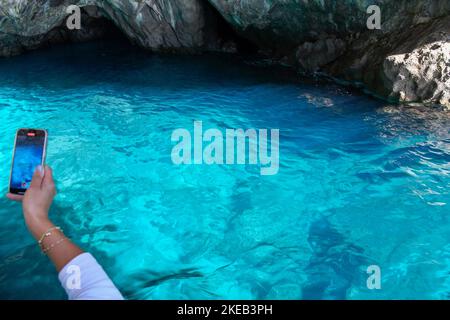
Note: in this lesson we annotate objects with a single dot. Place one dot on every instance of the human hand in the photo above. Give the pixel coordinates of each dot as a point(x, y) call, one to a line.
point(37, 199)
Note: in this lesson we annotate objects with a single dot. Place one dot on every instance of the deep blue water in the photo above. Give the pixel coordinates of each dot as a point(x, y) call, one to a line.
point(360, 182)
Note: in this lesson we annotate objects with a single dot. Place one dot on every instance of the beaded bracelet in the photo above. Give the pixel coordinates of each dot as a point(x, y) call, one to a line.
point(46, 234)
point(50, 247)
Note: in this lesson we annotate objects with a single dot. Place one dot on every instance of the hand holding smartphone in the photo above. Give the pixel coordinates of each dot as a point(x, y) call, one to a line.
point(29, 152)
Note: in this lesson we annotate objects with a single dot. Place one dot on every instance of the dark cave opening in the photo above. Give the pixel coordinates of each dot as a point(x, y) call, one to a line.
point(225, 33)
point(94, 27)
point(219, 35)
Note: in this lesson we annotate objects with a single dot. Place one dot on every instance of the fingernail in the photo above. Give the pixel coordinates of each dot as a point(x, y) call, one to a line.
point(40, 169)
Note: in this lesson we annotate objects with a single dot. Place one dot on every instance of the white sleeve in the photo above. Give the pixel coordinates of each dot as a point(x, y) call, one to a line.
point(84, 279)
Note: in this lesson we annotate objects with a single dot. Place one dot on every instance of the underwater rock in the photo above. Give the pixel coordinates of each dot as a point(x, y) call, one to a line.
point(335, 265)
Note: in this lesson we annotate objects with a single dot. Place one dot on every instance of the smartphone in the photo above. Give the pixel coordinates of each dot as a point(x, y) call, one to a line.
point(29, 152)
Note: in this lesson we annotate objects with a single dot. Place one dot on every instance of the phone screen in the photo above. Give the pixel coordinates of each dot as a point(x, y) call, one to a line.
point(28, 154)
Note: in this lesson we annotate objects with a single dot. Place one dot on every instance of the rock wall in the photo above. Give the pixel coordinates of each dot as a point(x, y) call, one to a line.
point(408, 66)
point(406, 60)
point(153, 24)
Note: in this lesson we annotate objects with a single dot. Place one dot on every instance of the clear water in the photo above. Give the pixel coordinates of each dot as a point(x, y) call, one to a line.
point(360, 182)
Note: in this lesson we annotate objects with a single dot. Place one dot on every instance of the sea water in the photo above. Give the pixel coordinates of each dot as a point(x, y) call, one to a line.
point(360, 182)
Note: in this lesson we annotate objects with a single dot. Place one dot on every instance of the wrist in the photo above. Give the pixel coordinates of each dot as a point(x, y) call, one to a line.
point(38, 225)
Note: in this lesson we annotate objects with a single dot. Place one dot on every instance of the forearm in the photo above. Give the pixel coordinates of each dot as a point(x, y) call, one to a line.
point(63, 250)
point(89, 280)
point(93, 281)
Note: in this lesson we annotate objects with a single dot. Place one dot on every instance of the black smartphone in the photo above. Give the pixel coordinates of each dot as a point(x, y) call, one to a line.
point(29, 152)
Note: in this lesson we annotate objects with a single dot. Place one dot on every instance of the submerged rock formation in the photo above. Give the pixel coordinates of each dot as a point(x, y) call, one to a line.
point(408, 59)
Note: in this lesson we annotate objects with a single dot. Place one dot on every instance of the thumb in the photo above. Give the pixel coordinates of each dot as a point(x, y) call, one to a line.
point(38, 176)
point(48, 183)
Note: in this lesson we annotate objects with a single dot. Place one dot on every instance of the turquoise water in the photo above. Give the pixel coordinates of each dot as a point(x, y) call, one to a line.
point(360, 182)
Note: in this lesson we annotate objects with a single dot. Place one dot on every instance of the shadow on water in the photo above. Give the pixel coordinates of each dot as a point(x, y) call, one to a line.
point(113, 62)
point(335, 265)
point(144, 280)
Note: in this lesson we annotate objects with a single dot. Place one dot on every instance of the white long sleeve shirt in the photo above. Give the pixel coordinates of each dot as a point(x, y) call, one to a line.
point(84, 279)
